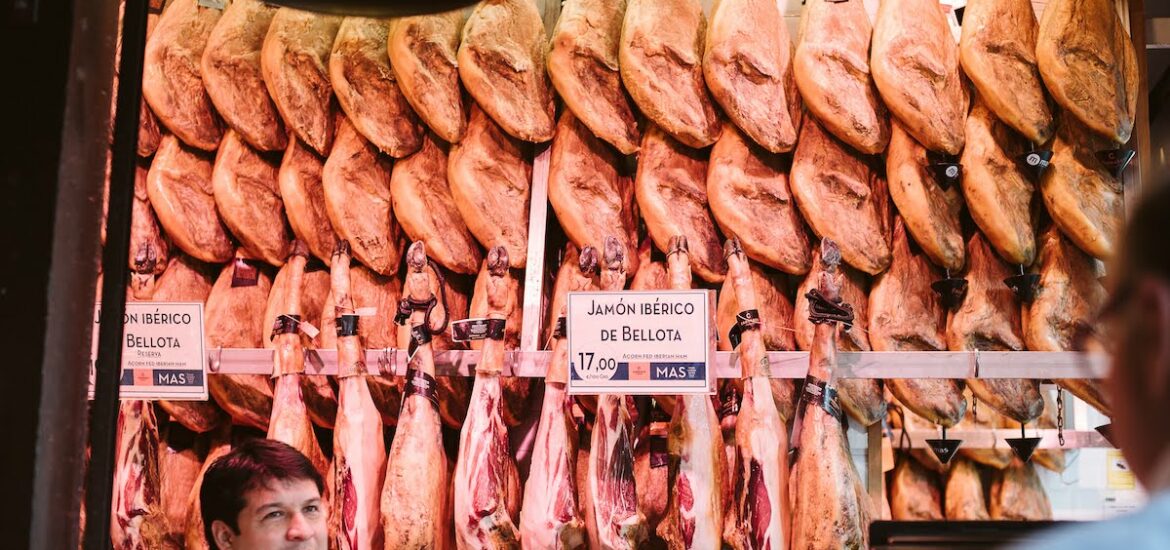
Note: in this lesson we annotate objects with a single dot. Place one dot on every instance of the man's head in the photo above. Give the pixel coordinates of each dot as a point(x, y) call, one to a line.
point(264, 494)
point(1139, 323)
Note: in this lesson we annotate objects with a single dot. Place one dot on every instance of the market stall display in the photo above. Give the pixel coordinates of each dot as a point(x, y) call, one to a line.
point(679, 156)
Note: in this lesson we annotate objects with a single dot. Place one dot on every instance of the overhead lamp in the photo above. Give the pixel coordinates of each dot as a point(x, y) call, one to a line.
point(376, 8)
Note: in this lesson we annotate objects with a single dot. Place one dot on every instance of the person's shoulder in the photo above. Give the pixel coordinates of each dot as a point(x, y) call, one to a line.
point(1146, 529)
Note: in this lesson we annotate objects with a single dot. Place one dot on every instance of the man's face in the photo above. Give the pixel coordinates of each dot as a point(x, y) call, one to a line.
point(285, 515)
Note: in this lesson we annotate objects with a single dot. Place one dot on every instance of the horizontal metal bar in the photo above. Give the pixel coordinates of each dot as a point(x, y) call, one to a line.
point(997, 438)
point(785, 364)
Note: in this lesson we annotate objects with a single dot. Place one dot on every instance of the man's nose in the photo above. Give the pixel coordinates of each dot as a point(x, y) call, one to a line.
point(300, 528)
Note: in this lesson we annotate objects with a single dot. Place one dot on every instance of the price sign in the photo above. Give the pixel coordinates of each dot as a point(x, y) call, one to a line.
point(640, 342)
point(163, 355)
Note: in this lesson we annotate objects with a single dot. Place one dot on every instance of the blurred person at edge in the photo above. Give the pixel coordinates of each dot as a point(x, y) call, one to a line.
point(263, 495)
point(1135, 326)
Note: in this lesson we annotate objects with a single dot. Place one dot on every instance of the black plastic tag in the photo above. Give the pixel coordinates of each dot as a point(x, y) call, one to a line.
point(478, 329)
point(951, 290)
point(1024, 285)
point(944, 449)
point(821, 393)
point(816, 392)
point(419, 335)
point(946, 170)
point(347, 325)
point(1023, 446)
point(658, 455)
point(421, 383)
point(1035, 162)
point(560, 330)
point(285, 324)
point(744, 320)
point(244, 273)
point(1116, 160)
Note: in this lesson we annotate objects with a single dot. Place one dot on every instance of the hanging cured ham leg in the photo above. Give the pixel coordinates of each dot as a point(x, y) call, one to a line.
point(487, 485)
point(761, 444)
point(1069, 298)
point(290, 418)
point(416, 512)
point(831, 510)
point(551, 515)
point(613, 518)
point(906, 315)
point(695, 452)
point(234, 316)
point(989, 320)
point(694, 515)
point(359, 458)
point(137, 519)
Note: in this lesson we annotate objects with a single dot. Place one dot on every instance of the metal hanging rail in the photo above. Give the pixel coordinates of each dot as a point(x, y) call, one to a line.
point(785, 364)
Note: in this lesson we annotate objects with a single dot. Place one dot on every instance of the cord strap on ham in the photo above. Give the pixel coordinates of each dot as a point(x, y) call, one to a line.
point(823, 310)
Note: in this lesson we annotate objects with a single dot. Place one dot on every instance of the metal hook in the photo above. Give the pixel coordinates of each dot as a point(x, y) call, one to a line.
point(214, 365)
point(383, 363)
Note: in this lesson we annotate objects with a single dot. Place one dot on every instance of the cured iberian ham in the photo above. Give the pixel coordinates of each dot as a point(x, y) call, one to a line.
point(416, 510)
point(551, 514)
point(487, 484)
point(612, 516)
point(761, 498)
point(831, 509)
point(694, 446)
point(359, 458)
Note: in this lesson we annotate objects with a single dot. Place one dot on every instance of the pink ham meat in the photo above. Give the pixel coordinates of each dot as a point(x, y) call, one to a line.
point(551, 515)
point(290, 418)
point(359, 451)
point(416, 510)
point(612, 516)
point(694, 445)
point(831, 509)
point(761, 502)
point(137, 520)
point(487, 484)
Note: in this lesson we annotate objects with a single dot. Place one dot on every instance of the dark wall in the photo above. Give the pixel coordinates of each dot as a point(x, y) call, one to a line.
point(34, 34)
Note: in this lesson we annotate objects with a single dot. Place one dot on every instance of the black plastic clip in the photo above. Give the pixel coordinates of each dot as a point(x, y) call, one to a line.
point(1023, 446)
point(1116, 160)
point(951, 290)
point(1024, 285)
point(1035, 162)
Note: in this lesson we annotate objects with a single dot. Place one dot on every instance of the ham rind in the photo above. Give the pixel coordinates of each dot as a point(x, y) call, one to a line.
point(694, 515)
point(416, 511)
point(761, 501)
point(137, 519)
point(831, 509)
point(359, 450)
point(487, 484)
point(290, 422)
point(551, 515)
point(613, 518)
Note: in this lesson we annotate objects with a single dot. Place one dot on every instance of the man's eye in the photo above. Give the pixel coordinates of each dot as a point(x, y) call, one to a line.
point(312, 509)
point(273, 515)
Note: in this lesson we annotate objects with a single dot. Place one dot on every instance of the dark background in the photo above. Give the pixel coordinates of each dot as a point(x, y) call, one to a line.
point(34, 39)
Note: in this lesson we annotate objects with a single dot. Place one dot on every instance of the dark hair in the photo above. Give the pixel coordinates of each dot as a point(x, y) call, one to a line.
point(1144, 249)
point(254, 464)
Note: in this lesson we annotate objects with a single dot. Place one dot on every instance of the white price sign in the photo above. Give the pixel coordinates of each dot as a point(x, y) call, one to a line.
point(648, 343)
point(163, 355)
